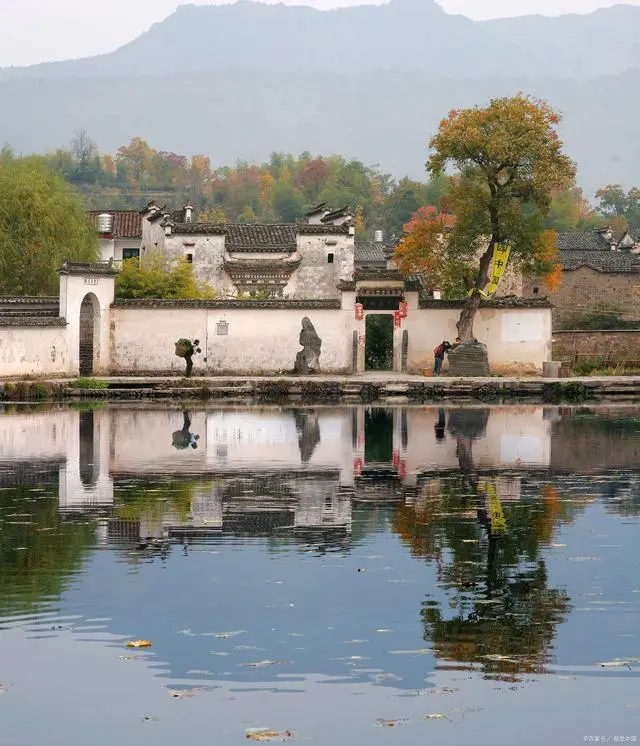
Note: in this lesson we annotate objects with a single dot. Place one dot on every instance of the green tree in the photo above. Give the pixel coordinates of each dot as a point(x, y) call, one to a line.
point(154, 276)
point(288, 202)
point(42, 223)
point(509, 161)
point(616, 203)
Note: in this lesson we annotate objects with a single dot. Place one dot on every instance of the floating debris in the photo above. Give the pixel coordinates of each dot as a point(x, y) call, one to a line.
point(265, 663)
point(224, 635)
point(139, 644)
point(390, 723)
point(4, 688)
point(265, 734)
point(616, 664)
point(437, 716)
point(149, 719)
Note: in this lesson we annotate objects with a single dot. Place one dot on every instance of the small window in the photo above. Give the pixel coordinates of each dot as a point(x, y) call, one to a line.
point(190, 258)
point(130, 254)
point(536, 291)
point(329, 258)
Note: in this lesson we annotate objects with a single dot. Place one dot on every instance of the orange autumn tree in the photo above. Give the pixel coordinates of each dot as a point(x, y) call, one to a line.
point(509, 161)
point(423, 252)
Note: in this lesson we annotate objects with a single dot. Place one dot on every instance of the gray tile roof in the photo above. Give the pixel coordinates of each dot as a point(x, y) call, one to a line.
point(590, 241)
point(601, 261)
point(369, 252)
point(593, 250)
point(259, 237)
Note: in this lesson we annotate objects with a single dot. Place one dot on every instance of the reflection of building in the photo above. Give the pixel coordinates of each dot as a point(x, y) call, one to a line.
point(254, 470)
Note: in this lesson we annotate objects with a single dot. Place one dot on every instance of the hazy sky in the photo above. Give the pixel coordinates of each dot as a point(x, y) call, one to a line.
point(41, 30)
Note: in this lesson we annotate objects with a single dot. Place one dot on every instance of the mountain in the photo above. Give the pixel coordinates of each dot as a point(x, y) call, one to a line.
point(370, 82)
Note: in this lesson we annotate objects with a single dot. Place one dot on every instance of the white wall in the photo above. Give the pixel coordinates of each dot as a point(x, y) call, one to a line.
point(35, 350)
point(258, 340)
point(517, 339)
point(73, 289)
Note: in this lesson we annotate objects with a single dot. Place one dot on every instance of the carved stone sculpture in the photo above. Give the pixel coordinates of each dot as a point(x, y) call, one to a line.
point(308, 359)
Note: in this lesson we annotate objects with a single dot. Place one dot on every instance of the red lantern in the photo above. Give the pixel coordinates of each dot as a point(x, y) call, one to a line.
point(397, 319)
point(359, 311)
point(403, 309)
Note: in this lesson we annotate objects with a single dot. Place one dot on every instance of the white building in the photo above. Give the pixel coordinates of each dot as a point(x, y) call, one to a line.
point(119, 233)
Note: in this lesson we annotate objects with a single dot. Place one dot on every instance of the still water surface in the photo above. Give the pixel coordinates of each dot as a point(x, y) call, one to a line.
point(336, 575)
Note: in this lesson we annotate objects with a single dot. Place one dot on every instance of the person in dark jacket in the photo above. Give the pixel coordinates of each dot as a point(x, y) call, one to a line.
point(439, 353)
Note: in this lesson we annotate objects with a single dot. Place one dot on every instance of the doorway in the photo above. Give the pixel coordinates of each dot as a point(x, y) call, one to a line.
point(378, 351)
point(88, 323)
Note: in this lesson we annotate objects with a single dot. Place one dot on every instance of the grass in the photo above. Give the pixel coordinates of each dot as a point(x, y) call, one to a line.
point(89, 383)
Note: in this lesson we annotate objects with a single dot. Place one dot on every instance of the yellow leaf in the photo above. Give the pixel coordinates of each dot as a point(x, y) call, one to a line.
point(139, 644)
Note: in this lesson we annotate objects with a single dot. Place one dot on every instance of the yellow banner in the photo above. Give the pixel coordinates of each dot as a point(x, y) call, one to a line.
point(501, 254)
point(496, 516)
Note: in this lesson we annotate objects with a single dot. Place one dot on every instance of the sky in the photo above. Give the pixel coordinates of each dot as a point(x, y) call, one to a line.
point(34, 31)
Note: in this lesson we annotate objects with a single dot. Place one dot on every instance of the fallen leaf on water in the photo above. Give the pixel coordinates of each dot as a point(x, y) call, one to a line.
point(139, 644)
point(265, 734)
point(437, 716)
point(149, 719)
point(390, 723)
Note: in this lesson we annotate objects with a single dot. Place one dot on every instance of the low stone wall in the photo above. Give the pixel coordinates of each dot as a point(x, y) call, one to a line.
point(610, 344)
point(34, 346)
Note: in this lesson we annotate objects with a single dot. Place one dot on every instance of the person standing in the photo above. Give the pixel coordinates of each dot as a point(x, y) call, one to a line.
point(439, 353)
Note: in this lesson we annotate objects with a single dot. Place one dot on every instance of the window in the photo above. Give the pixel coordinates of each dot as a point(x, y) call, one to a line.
point(536, 291)
point(329, 258)
point(130, 254)
point(190, 258)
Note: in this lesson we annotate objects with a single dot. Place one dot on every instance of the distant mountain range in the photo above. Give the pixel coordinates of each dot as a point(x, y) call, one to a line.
point(370, 82)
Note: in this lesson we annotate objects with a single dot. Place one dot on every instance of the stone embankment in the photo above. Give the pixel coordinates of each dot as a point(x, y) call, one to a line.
point(369, 388)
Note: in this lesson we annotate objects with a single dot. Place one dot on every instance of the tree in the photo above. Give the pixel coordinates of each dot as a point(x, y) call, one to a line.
point(509, 162)
point(622, 209)
point(154, 276)
point(42, 223)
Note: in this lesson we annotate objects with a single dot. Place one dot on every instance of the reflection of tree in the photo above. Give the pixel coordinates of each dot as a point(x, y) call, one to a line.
point(38, 551)
point(308, 431)
point(152, 498)
point(503, 614)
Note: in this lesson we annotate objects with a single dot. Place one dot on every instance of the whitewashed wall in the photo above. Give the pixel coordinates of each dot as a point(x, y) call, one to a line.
point(517, 339)
point(257, 340)
point(35, 351)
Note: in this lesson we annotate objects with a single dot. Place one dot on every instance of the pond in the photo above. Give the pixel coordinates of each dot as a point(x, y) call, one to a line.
point(335, 575)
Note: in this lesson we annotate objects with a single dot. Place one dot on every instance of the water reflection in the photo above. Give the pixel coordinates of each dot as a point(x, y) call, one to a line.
point(365, 532)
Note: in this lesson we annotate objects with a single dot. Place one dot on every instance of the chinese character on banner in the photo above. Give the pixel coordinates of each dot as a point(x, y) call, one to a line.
point(357, 467)
point(403, 309)
point(397, 319)
point(359, 311)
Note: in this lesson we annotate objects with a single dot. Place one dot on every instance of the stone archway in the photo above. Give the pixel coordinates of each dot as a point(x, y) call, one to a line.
point(89, 333)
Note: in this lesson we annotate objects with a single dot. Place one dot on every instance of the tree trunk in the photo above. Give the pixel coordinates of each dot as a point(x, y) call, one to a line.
point(468, 313)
